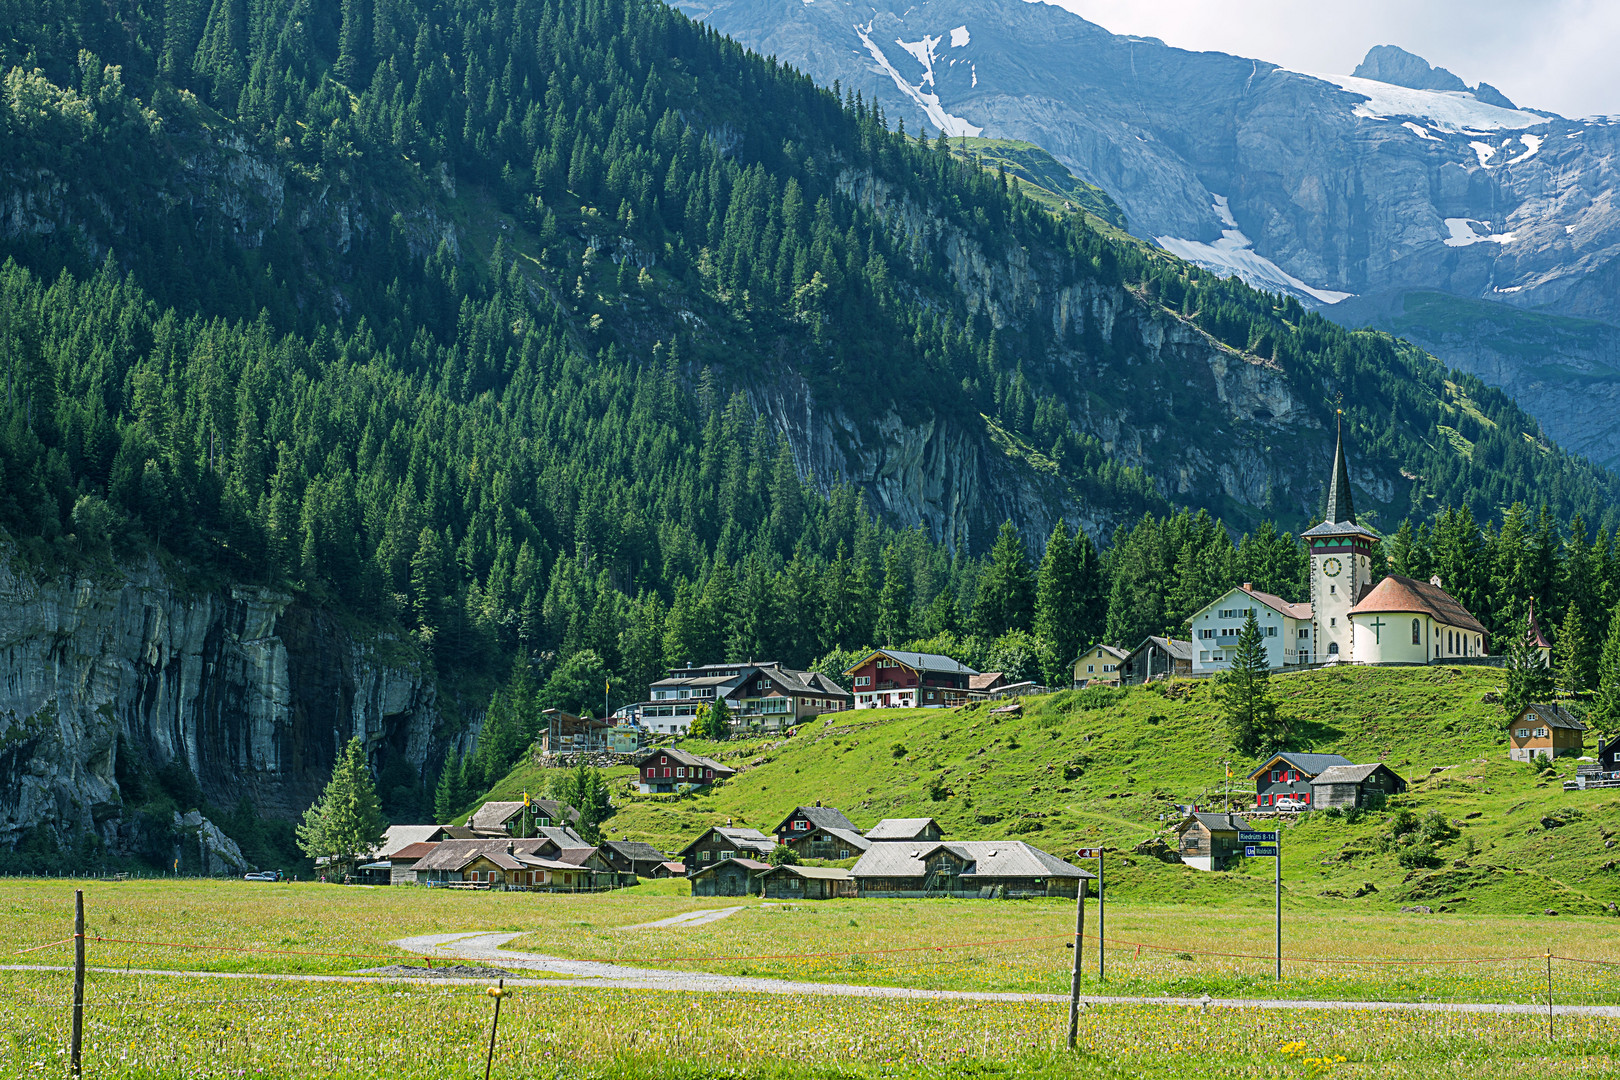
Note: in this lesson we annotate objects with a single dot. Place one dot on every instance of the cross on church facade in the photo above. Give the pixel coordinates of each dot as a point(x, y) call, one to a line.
point(1378, 624)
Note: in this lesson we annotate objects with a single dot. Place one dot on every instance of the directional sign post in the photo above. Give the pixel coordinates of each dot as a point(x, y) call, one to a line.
point(1074, 975)
point(1266, 845)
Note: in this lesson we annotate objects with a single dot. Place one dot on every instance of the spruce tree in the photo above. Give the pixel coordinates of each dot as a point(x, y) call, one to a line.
point(1577, 661)
point(894, 602)
point(346, 822)
point(1244, 693)
point(1528, 680)
point(446, 794)
point(1006, 597)
point(1605, 710)
point(1058, 603)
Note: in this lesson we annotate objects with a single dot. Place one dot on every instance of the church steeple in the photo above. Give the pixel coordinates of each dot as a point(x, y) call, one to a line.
point(1340, 508)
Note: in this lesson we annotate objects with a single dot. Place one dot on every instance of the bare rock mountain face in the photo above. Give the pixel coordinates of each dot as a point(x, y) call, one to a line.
point(248, 690)
point(1336, 188)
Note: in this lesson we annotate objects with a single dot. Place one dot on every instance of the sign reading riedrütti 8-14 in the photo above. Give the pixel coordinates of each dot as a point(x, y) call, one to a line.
point(1257, 837)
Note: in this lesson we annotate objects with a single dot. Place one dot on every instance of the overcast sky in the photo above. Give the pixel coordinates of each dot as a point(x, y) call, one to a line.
point(1551, 54)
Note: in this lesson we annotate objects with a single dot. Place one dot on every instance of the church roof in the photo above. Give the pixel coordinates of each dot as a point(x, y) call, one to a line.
point(1535, 638)
point(1340, 508)
point(1403, 595)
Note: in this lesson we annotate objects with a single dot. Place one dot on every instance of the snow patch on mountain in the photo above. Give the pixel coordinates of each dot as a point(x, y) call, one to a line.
point(923, 52)
point(1447, 110)
point(1233, 255)
point(1463, 233)
point(959, 37)
point(1533, 146)
point(1420, 131)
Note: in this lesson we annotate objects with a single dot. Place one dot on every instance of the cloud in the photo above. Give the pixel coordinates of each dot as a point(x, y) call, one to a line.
point(1549, 54)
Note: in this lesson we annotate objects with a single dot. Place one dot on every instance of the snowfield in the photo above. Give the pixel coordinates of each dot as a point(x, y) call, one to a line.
point(1233, 255)
point(1448, 110)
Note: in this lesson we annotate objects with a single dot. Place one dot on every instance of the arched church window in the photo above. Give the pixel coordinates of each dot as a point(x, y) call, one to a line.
point(1333, 648)
point(1417, 632)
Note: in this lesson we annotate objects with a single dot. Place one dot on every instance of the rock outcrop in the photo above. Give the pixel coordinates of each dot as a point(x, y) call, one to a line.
point(251, 691)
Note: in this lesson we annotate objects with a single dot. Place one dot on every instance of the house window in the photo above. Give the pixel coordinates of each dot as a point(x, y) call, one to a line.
point(1333, 588)
point(1271, 631)
point(1524, 733)
point(728, 854)
point(1417, 632)
point(1541, 733)
point(863, 680)
point(1333, 621)
point(1304, 632)
point(800, 826)
point(1203, 657)
point(843, 853)
point(1265, 800)
point(1333, 648)
point(680, 771)
point(1276, 775)
point(1091, 669)
point(666, 774)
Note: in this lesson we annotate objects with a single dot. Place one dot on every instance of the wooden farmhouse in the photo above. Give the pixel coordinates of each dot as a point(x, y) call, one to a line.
point(1545, 729)
point(1210, 841)
point(537, 863)
point(510, 817)
point(666, 770)
point(905, 829)
point(1098, 666)
point(1348, 787)
point(1000, 868)
point(820, 832)
point(894, 679)
point(725, 842)
point(728, 877)
point(1289, 775)
point(631, 857)
point(402, 863)
point(1156, 658)
point(806, 883)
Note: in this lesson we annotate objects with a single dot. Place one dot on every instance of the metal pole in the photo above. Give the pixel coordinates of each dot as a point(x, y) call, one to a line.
point(1278, 861)
point(1100, 976)
point(1074, 977)
point(75, 1062)
point(498, 991)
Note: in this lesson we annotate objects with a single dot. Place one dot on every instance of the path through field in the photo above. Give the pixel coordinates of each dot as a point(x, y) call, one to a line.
point(690, 918)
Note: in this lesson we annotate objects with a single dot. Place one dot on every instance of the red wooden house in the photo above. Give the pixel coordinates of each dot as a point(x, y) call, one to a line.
point(893, 679)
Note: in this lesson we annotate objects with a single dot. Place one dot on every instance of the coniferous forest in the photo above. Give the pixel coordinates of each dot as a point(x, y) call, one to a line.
point(457, 317)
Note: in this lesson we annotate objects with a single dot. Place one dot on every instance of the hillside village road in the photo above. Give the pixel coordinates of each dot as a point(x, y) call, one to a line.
point(702, 983)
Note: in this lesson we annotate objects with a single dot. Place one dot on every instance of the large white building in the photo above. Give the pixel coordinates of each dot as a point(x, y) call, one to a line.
point(1285, 627)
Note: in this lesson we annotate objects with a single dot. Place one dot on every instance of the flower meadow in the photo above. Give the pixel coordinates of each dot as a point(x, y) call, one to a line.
point(152, 1027)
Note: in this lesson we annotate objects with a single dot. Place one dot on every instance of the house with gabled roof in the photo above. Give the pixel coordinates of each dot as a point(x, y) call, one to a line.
point(728, 877)
point(508, 817)
point(1210, 841)
point(560, 861)
point(1156, 658)
point(897, 679)
point(1547, 729)
point(1351, 787)
point(912, 829)
point(1098, 665)
point(1285, 629)
point(721, 842)
point(820, 832)
point(965, 868)
point(632, 857)
point(665, 769)
point(789, 882)
point(1289, 775)
point(759, 693)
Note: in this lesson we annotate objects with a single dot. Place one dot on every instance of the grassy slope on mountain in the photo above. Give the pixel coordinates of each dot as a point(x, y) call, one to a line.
point(1043, 178)
point(1064, 774)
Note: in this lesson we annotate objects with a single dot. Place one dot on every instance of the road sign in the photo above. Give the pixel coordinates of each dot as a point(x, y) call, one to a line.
point(1089, 853)
point(1257, 838)
point(1252, 850)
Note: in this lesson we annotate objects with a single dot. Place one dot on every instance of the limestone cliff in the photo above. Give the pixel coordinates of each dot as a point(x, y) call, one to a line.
point(251, 690)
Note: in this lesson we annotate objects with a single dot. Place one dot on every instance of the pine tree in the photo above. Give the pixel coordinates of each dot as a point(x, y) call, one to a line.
point(894, 602)
point(1605, 709)
point(1244, 693)
point(1577, 660)
point(1006, 597)
point(346, 822)
point(446, 794)
point(1528, 680)
point(1058, 604)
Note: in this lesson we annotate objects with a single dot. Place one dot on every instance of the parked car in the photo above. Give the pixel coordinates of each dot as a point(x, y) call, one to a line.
point(1289, 802)
point(263, 875)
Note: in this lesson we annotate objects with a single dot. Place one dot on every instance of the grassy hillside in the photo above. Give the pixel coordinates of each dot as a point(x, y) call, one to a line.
point(1043, 178)
point(1088, 766)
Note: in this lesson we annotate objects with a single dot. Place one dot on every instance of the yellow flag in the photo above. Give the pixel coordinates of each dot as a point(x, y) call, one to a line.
point(525, 798)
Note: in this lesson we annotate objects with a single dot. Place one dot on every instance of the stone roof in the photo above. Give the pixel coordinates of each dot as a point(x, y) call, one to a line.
point(495, 815)
point(983, 859)
point(681, 757)
point(410, 852)
point(396, 837)
point(1278, 604)
point(903, 828)
point(1178, 650)
point(1346, 774)
point(986, 680)
point(1397, 595)
point(753, 866)
point(828, 873)
point(638, 850)
point(743, 839)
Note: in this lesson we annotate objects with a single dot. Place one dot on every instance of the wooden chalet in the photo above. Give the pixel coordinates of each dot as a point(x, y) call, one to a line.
point(665, 769)
point(402, 863)
point(895, 679)
point(510, 818)
point(1210, 841)
point(725, 842)
point(910, 829)
point(1354, 786)
point(728, 877)
point(965, 868)
point(1156, 658)
point(631, 857)
point(1548, 730)
point(806, 883)
point(1289, 775)
point(820, 832)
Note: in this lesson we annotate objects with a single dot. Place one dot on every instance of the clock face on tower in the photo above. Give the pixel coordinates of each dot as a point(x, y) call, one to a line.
point(1332, 567)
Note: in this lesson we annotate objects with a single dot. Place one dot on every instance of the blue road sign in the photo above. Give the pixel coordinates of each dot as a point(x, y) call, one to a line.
point(1257, 837)
point(1257, 849)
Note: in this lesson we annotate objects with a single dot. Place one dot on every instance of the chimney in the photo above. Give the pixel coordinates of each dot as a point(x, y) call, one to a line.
point(1248, 586)
point(818, 802)
point(1435, 581)
point(510, 847)
point(728, 823)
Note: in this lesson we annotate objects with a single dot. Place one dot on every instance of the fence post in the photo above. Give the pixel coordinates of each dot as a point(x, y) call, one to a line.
point(1074, 976)
point(497, 992)
point(74, 1047)
point(1549, 997)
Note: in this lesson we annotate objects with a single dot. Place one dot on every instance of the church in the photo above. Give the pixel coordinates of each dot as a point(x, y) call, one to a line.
point(1398, 620)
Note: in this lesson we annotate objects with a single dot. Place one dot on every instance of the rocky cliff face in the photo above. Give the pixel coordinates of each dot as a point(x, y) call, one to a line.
point(252, 691)
point(1321, 186)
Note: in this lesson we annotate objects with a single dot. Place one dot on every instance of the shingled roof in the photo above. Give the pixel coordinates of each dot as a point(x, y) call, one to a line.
point(1399, 595)
point(1309, 764)
point(1554, 716)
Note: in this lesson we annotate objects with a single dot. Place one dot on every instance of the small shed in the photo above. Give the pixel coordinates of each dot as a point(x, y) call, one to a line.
point(1351, 786)
point(631, 857)
point(806, 883)
point(669, 870)
point(906, 828)
point(728, 877)
point(1210, 841)
point(1545, 729)
point(1156, 658)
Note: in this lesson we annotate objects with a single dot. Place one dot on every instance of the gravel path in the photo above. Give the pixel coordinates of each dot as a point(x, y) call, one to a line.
point(704, 983)
point(690, 918)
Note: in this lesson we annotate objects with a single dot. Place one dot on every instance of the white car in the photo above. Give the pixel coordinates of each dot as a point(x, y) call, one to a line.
point(1290, 802)
point(267, 875)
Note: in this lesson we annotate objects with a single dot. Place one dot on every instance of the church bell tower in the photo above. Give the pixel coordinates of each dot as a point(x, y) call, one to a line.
point(1341, 566)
